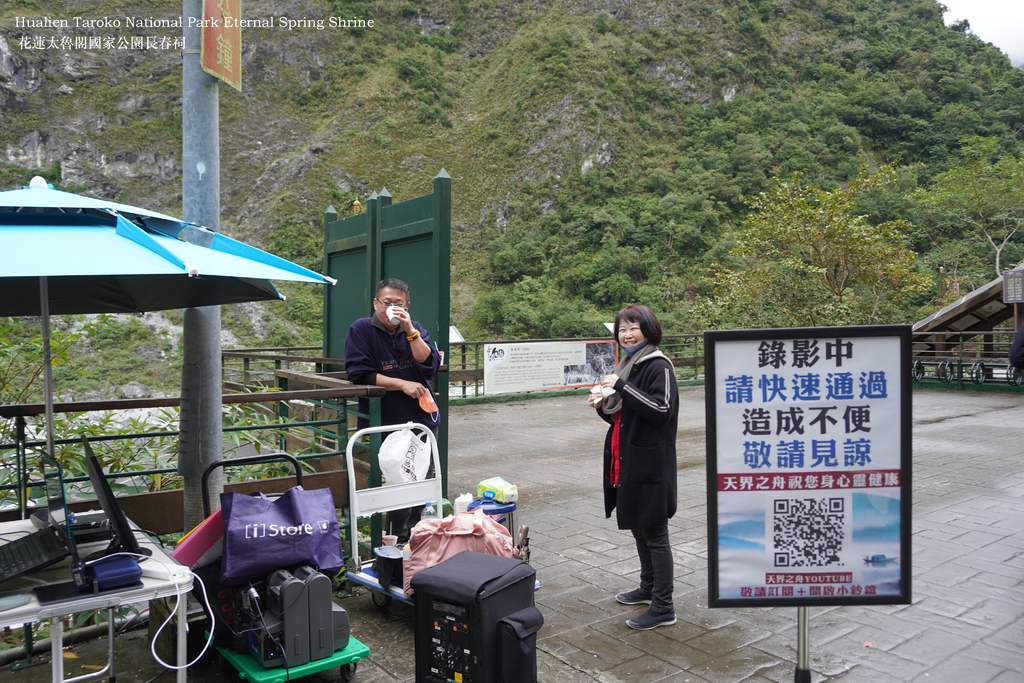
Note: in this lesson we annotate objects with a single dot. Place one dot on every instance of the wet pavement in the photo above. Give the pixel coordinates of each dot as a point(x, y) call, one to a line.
point(966, 622)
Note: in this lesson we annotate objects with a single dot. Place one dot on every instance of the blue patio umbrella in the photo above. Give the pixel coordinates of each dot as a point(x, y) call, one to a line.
point(65, 253)
point(105, 257)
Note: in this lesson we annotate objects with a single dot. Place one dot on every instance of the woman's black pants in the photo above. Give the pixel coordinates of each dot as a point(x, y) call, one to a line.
point(656, 570)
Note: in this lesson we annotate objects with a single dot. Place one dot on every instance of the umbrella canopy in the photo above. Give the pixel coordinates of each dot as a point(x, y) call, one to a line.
point(65, 253)
point(105, 257)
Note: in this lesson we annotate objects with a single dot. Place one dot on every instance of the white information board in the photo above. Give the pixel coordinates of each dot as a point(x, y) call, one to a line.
point(542, 366)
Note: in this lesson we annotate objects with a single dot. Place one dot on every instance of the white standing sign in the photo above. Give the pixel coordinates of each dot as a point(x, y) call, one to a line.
point(809, 466)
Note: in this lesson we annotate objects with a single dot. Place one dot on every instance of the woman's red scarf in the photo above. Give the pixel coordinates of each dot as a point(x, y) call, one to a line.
point(613, 473)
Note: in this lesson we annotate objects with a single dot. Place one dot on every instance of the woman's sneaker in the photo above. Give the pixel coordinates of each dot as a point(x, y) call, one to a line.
point(634, 597)
point(649, 620)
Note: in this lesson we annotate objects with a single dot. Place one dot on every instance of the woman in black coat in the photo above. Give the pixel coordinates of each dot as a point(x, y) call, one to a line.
point(641, 403)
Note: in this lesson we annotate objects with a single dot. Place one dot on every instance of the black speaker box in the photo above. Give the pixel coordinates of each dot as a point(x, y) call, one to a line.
point(459, 607)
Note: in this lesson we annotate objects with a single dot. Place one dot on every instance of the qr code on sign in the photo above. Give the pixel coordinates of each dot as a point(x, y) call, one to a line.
point(808, 531)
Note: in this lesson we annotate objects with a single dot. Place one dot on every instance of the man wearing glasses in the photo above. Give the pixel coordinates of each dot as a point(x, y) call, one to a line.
point(393, 351)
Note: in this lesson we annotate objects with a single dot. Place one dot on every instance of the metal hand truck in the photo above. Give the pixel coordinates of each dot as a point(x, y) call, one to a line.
point(371, 501)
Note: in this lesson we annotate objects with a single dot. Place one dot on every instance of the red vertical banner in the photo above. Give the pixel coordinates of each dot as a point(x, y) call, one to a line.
point(222, 40)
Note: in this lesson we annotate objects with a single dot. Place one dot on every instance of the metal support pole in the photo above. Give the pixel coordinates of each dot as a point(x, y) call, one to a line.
point(283, 414)
point(182, 639)
point(21, 464)
point(376, 521)
point(442, 248)
point(56, 647)
point(960, 365)
point(26, 634)
point(803, 637)
point(44, 312)
point(696, 352)
point(201, 442)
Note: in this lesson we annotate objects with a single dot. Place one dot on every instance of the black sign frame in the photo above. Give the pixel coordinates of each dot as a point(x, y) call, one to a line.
point(713, 386)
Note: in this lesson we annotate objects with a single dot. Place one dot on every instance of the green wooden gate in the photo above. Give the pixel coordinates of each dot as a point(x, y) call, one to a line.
point(411, 241)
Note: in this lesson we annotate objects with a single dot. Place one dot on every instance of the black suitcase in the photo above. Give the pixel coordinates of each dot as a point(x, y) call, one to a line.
point(475, 620)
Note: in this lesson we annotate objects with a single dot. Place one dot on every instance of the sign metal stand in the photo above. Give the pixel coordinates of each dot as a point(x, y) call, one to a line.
point(803, 644)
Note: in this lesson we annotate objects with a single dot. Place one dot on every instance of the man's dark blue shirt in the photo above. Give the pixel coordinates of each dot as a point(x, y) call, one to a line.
point(371, 349)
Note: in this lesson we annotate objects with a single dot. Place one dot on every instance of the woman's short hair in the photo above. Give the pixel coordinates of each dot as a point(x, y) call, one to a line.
point(649, 325)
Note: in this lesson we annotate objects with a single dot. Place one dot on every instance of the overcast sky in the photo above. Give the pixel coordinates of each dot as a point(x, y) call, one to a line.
point(995, 21)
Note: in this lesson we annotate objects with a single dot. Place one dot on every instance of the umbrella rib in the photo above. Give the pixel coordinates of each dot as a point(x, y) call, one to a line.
point(136, 234)
point(138, 308)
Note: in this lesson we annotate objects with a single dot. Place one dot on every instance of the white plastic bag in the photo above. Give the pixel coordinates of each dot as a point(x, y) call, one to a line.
point(403, 457)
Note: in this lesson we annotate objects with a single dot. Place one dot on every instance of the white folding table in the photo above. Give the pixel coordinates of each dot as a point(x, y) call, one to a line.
point(179, 583)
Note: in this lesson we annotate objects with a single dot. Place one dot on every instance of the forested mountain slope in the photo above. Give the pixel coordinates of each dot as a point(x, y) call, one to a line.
point(599, 149)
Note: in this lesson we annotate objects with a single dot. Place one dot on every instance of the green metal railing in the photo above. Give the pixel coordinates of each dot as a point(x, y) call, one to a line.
point(256, 367)
point(23, 446)
point(287, 368)
point(970, 359)
point(328, 432)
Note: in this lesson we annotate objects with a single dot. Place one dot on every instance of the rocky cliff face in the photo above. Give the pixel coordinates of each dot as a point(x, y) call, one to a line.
point(323, 116)
point(110, 115)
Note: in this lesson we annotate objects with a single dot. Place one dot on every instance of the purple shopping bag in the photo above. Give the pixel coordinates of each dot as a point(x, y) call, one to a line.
point(263, 534)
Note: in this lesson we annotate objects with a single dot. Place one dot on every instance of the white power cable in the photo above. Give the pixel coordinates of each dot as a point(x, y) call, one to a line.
point(177, 594)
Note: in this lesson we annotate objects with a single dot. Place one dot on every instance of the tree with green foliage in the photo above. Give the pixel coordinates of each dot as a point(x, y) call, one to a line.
point(981, 199)
point(21, 356)
point(810, 261)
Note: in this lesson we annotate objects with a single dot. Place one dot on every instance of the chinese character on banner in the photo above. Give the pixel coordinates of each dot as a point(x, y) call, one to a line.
point(222, 41)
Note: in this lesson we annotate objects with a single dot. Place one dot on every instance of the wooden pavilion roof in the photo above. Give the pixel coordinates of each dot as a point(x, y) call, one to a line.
point(979, 311)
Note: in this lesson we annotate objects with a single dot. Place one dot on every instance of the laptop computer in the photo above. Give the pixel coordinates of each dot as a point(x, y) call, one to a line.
point(85, 527)
point(48, 545)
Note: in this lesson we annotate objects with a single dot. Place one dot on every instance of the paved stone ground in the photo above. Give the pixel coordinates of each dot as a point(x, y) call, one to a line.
point(966, 622)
